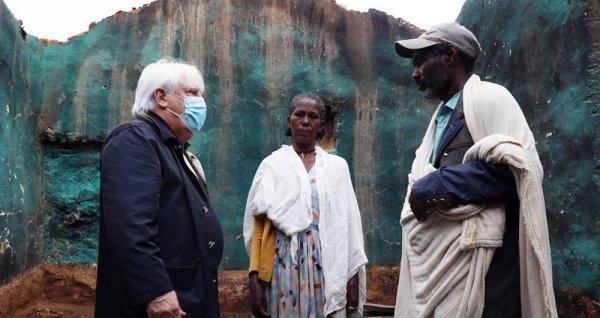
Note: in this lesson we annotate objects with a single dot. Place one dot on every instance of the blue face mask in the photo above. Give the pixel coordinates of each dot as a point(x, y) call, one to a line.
point(195, 112)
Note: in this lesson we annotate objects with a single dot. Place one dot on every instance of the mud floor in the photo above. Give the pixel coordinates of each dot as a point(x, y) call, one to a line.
point(50, 291)
point(67, 291)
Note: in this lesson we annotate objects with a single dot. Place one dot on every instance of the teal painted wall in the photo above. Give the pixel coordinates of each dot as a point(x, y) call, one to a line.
point(256, 55)
point(546, 53)
point(70, 190)
point(20, 104)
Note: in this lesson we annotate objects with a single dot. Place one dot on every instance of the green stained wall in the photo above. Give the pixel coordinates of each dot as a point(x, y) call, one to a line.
point(70, 191)
point(20, 104)
point(546, 53)
point(255, 56)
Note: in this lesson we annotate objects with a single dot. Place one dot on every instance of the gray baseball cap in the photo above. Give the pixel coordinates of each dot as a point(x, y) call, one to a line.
point(450, 32)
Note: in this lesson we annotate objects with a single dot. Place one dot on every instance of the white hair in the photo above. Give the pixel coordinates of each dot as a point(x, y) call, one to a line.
point(168, 74)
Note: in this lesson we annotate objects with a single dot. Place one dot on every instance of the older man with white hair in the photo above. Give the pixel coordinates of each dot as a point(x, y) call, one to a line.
point(160, 238)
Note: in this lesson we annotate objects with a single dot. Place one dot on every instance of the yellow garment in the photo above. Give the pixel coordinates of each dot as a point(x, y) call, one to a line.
point(263, 247)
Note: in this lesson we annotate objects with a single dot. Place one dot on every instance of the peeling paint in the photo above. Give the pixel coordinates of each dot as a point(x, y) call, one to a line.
point(4, 244)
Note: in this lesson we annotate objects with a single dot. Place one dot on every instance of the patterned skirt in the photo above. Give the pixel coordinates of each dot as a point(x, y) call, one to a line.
point(297, 290)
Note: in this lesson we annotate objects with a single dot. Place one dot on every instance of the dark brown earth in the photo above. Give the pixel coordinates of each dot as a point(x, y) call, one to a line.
point(67, 291)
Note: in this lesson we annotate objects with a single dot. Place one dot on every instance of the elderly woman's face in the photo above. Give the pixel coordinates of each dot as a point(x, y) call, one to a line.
point(305, 122)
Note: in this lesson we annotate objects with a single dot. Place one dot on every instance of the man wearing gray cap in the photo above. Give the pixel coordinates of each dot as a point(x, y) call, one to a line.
point(474, 229)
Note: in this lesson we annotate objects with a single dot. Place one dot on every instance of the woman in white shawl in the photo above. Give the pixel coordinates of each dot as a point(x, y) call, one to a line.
point(302, 227)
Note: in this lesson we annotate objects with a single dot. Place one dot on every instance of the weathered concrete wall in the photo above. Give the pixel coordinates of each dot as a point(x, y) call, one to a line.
point(256, 55)
point(70, 189)
point(20, 158)
point(547, 54)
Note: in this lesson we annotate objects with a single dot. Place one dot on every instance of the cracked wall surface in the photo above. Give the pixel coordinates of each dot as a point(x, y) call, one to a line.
point(20, 183)
point(547, 54)
point(255, 56)
point(62, 99)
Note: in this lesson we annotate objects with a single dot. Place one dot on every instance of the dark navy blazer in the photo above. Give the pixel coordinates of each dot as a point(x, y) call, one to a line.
point(474, 182)
point(158, 230)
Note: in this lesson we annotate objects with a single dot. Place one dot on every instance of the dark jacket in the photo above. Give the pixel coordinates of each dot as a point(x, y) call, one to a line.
point(474, 182)
point(484, 183)
point(158, 230)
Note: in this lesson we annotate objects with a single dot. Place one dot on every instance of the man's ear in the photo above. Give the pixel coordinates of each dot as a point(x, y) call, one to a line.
point(451, 54)
point(160, 95)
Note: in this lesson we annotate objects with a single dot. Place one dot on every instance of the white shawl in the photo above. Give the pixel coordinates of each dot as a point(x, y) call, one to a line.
point(445, 259)
point(281, 190)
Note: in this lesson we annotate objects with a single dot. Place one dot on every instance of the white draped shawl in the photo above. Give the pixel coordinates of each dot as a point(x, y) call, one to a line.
point(445, 258)
point(281, 190)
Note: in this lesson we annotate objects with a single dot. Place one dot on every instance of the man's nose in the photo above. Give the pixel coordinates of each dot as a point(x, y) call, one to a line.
point(416, 73)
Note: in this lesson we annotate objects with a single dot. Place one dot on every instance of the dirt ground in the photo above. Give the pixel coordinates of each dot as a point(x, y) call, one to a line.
point(67, 291)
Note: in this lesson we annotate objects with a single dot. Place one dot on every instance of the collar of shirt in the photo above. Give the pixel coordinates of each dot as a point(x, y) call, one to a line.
point(442, 120)
point(166, 132)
